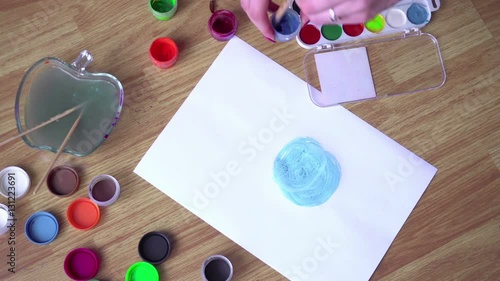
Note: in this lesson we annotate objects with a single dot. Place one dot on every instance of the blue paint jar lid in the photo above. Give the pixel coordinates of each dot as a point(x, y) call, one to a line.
point(41, 228)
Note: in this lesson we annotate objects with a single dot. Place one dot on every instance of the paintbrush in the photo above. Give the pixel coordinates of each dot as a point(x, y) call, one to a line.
point(51, 120)
point(281, 10)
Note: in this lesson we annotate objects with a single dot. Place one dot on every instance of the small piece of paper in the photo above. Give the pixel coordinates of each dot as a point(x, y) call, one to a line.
point(215, 157)
point(345, 75)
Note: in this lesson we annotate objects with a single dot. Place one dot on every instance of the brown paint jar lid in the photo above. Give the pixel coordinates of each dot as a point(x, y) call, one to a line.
point(104, 190)
point(63, 181)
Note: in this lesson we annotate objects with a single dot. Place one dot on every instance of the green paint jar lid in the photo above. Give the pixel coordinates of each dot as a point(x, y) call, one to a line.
point(163, 9)
point(142, 271)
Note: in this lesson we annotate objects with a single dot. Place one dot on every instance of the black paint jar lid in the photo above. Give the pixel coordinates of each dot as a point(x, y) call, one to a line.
point(154, 247)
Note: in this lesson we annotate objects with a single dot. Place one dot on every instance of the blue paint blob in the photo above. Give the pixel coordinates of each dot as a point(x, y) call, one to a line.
point(417, 14)
point(289, 24)
point(307, 174)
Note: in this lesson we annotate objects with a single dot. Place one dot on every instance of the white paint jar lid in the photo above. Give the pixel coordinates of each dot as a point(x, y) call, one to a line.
point(14, 182)
point(4, 219)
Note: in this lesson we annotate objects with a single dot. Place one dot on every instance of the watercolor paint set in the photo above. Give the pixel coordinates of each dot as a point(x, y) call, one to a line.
point(406, 15)
point(386, 56)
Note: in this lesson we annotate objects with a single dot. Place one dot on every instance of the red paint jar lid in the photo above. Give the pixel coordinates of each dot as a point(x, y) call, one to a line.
point(164, 52)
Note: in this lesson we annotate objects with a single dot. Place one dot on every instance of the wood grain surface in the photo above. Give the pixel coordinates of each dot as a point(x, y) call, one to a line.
point(452, 234)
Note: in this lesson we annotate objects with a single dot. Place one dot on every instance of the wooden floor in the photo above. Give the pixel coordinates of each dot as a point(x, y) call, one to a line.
point(453, 233)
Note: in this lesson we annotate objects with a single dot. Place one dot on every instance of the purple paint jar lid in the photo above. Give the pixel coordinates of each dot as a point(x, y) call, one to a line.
point(104, 190)
point(81, 264)
point(222, 25)
point(154, 247)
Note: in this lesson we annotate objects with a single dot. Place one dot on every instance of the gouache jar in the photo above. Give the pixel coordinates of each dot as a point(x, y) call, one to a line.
point(289, 26)
point(222, 25)
point(163, 52)
point(163, 9)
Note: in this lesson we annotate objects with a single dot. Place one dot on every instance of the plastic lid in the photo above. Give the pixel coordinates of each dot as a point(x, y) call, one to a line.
point(4, 218)
point(154, 247)
point(81, 264)
point(217, 267)
point(63, 181)
point(142, 271)
point(83, 214)
point(14, 182)
point(104, 190)
point(41, 228)
point(374, 69)
point(164, 52)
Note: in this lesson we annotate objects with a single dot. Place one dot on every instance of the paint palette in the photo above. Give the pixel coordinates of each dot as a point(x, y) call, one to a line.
point(386, 56)
point(406, 15)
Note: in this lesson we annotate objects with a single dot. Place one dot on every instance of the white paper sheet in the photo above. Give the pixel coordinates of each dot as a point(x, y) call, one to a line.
point(215, 158)
point(345, 75)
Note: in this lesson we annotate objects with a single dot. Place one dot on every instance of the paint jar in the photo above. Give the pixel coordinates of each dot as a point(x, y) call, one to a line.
point(63, 181)
point(41, 228)
point(163, 52)
point(217, 268)
point(222, 25)
point(83, 214)
point(5, 217)
point(289, 26)
point(142, 271)
point(104, 190)
point(81, 264)
point(14, 182)
point(163, 9)
point(154, 247)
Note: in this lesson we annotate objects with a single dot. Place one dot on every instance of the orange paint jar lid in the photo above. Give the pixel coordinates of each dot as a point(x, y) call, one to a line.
point(83, 214)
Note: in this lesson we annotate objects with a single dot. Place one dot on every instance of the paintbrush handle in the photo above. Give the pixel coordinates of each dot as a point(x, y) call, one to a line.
point(281, 10)
point(53, 119)
point(59, 151)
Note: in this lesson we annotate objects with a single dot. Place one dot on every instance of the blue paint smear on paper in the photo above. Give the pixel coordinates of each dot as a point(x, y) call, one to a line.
point(417, 14)
point(307, 174)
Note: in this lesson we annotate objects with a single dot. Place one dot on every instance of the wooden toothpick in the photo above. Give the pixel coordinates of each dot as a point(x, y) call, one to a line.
point(53, 119)
point(59, 151)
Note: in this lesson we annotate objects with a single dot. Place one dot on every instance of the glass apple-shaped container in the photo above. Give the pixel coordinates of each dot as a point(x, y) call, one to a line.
point(51, 87)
